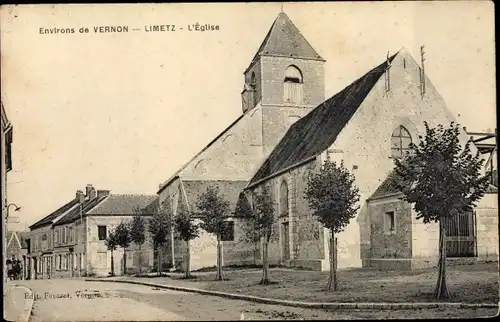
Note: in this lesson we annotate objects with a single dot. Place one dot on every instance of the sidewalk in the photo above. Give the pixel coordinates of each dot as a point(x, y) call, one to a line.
point(18, 303)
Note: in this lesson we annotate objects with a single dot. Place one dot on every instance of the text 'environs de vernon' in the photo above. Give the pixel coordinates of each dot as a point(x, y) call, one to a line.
point(125, 29)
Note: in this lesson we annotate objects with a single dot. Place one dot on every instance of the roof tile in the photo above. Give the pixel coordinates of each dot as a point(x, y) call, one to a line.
point(122, 204)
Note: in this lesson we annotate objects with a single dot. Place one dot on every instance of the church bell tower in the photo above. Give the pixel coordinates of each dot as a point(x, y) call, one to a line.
point(285, 79)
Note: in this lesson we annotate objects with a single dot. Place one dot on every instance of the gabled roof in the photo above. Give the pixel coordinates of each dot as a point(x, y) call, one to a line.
point(388, 187)
point(76, 212)
point(319, 129)
point(48, 220)
point(230, 190)
point(122, 204)
point(285, 39)
point(5, 120)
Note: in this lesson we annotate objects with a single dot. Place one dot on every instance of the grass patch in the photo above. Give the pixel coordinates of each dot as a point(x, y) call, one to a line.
point(468, 283)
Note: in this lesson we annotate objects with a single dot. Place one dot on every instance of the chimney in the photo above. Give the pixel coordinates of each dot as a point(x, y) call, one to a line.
point(80, 196)
point(91, 193)
point(88, 189)
point(102, 193)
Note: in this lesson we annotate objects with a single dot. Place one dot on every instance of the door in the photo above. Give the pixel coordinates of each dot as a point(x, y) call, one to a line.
point(286, 240)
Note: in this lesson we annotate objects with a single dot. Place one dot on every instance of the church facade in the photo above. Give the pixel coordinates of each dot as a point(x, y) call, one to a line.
point(288, 129)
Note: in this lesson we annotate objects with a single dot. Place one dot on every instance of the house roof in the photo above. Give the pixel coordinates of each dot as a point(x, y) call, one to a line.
point(48, 220)
point(5, 120)
point(122, 204)
point(391, 184)
point(285, 39)
point(230, 190)
point(388, 187)
point(319, 129)
point(16, 241)
point(74, 214)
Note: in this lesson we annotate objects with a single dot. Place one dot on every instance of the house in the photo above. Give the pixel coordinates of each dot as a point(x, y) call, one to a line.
point(17, 247)
point(70, 241)
point(287, 129)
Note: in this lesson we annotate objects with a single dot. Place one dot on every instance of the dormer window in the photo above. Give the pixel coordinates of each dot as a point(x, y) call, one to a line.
point(292, 85)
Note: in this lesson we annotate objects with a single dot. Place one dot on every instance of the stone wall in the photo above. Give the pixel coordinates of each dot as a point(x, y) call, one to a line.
point(273, 76)
point(487, 227)
point(390, 248)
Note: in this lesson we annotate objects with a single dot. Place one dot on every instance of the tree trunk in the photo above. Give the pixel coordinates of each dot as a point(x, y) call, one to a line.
point(441, 291)
point(159, 260)
point(219, 276)
point(140, 260)
point(265, 265)
point(112, 264)
point(332, 280)
point(187, 267)
point(124, 261)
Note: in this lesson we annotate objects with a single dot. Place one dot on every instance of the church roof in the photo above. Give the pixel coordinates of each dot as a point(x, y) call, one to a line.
point(285, 39)
point(319, 129)
point(176, 174)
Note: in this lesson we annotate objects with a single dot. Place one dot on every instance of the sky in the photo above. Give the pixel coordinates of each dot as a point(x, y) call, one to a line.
point(123, 111)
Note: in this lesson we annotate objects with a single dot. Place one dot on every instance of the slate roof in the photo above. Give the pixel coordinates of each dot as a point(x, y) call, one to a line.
point(74, 214)
point(229, 189)
point(5, 120)
point(285, 39)
point(319, 129)
point(16, 241)
point(122, 204)
point(388, 187)
point(48, 220)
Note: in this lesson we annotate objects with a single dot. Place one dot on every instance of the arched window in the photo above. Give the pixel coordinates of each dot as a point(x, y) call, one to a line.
point(284, 199)
point(293, 75)
point(400, 142)
point(292, 85)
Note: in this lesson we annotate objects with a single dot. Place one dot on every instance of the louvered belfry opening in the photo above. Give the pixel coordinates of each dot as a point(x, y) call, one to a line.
point(461, 235)
point(293, 85)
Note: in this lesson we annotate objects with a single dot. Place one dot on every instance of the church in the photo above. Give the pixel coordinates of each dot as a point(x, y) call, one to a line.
point(287, 130)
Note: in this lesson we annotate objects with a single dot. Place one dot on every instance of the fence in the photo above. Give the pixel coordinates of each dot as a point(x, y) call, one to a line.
point(461, 235)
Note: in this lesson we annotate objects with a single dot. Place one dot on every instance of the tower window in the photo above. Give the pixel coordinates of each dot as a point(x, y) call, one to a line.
point(292, 85)
point(400, 142)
